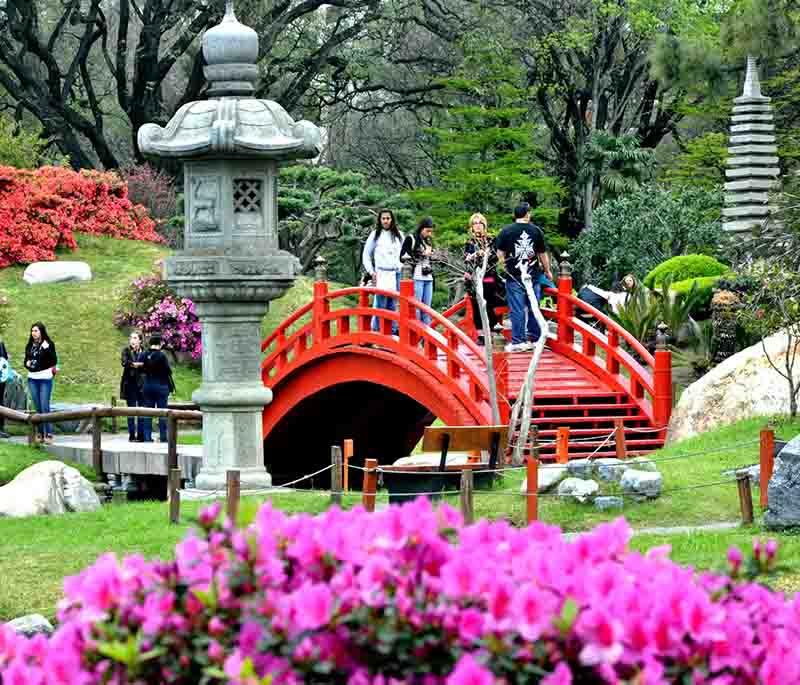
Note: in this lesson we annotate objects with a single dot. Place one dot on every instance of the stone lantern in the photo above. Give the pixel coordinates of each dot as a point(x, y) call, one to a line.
point(231, 266)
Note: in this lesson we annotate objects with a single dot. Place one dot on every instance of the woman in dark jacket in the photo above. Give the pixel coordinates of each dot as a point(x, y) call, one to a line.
point(131, 385)
point(41, 363)
point(479, 243)
point(158, 385)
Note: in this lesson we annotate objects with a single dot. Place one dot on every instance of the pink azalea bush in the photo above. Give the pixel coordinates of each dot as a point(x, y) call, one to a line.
point(408, 595)
point(152, 307)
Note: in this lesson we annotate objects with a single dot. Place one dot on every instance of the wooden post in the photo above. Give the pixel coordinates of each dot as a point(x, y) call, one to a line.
point(745, 497)
point(370, 484)
point(619, 439)
point(348, 455)
point(174, 495)
point(407, 312)
point(767, 463)
point(113, 417)
point(562, 445)
point(172, 442)
point(336, 475)
point(320, 307)
point(32, 434)
point(532, 494)
point(97, 448)
point(466, 496)
point(232, 503)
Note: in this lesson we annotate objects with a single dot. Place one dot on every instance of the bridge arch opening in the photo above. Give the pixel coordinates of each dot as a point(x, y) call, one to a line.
point(384, 424)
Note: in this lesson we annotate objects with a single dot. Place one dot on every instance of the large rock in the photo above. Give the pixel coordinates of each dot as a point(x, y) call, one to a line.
point(580, 468)
point(49, 487)
point(56, 272)
point(549, 476)
point(16, 393)
point(743, 385)
point(783, 492)
point(609, 469)
point(433, 459)
point(32, 624)
point(72, 425)
point(578, 489)
point(607, 503)
point(641, 484)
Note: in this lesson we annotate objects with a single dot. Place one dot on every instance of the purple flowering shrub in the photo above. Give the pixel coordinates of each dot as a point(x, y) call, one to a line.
point(408, 595)
point(152, 307)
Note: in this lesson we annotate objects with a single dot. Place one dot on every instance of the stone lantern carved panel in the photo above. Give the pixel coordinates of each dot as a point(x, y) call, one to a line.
point(248, 203)
point(204, 204)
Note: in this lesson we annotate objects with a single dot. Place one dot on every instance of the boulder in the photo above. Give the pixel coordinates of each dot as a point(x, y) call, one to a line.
point(609, 469)
point(641, 464)
point(579, 489)
point(783, 492)
point(550, 475)
point(56, 272)
point(641, 484)
point(30, 625)
point(742, 386)
point(433, 459)
point(606, 503)
point(580, 468)
point(69, 426)
point(49, 487)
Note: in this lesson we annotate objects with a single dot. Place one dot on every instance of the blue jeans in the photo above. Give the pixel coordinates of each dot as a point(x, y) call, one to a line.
point(155, 395)
point(135, 398)
point(41, 390)
point(519, 309)
point(423, 291)
point(389, 303)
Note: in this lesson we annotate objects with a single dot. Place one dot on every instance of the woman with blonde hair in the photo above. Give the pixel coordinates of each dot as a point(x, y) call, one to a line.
point(477, 246)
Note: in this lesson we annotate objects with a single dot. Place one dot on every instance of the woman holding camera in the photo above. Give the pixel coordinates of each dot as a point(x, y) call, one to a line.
point(418, 248)
point(41, 363)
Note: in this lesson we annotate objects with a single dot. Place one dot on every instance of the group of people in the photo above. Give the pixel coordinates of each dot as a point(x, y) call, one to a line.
point(518, 252)
point(146, 379)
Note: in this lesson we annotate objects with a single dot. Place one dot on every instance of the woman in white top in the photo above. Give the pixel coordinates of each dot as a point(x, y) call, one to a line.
point(381, 258)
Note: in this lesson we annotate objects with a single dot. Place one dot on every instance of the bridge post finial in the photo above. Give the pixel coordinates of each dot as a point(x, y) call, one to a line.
point(661, 336)
point(565, 268)
point(321, 268)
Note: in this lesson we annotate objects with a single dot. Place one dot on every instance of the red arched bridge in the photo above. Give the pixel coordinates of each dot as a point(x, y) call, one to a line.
point(334, 378)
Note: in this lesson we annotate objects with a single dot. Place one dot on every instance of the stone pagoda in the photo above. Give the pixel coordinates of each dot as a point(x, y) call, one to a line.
point(231, 266)
point(752, 167)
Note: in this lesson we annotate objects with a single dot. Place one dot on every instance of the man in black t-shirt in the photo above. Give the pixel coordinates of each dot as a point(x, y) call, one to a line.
point(521, 249)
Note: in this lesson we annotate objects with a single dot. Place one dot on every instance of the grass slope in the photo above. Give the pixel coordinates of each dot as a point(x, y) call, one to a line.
point(78, 316)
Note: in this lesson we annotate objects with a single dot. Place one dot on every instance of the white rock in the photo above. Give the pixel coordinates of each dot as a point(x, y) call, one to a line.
point(609, 469)
point(580, 468)
point(56, 272)
point(433, 459)
point(641, 464)
point(30, 625)
point(549, 476)
point(579, 489)
point(49, 487)
point(641, 484)
point(742, 386)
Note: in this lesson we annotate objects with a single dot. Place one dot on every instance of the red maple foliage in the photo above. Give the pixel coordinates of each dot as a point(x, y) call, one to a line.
point(41, 209)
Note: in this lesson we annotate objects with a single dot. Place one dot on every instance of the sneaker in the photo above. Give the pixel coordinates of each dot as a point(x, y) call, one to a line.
point(498, 327)
point(516, 347)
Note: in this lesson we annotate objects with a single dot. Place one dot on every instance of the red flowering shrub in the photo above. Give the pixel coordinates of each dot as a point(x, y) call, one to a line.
point(40, 209)
point(409, 596)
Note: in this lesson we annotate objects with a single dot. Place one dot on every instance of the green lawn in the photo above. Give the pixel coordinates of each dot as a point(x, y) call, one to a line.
point(38, 553)
point(79, 317)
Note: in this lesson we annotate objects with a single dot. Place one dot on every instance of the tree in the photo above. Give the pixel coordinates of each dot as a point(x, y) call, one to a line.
point(21, 148)
point(323, 210)
point(588, 65)
point(81, 66)
point(486, 158)
point(772, 308)
point(701, 163)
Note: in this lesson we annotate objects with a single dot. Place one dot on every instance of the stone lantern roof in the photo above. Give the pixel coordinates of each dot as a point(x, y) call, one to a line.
point(231, 123)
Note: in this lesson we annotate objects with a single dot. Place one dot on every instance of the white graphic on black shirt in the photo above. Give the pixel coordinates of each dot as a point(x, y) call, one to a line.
point(524, 252)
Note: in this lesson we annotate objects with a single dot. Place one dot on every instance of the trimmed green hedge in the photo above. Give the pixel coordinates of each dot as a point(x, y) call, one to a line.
point(684, 267)
point(705, 290)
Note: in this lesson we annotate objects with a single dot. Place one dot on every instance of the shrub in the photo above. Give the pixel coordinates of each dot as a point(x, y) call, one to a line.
point(40, 210)
point(705, 291)
point(683, 267)
point(409, 596)
point(636, 232)
point(154, 189)
point(152, 307)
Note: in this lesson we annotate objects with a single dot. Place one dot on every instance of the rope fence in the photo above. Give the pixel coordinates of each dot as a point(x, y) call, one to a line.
point(466, 473)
